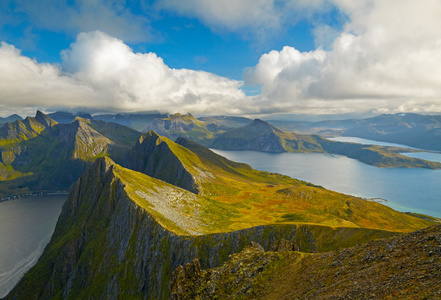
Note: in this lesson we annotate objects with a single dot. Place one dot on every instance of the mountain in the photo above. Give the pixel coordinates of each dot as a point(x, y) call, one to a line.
point(202, 130)
point(138, 122)
point(11, 118)
point(161, 158)
point(40, 154)
point(186, 126)
point(122, 232)
point(226, 122)
point(67, 117)
point(262, 136)
point(402, 267)
point(420, 131)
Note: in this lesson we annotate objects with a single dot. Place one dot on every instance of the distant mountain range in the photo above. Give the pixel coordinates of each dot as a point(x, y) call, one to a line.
point(420, 131)
point(259, 135)
point(38, 153)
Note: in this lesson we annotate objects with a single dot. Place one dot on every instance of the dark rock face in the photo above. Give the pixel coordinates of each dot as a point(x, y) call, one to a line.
point(44, 119)
point(153, 156)
point(258, 136)
point(284, 245)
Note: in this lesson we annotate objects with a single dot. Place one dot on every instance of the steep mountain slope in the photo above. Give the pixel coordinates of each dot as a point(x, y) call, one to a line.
point(121, 232)
point(262, 136)
point(21, 130)
point(161, 158)
point(403, 267)
point(39, 154)
point(11, 137)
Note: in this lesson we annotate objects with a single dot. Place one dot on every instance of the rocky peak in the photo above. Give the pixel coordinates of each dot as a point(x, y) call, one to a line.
point(44, 119)
point(161, 158)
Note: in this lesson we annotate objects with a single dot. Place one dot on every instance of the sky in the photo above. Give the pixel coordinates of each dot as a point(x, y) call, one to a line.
point(266, 58)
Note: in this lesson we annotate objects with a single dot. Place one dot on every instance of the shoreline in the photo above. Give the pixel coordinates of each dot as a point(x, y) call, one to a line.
point(32, 195)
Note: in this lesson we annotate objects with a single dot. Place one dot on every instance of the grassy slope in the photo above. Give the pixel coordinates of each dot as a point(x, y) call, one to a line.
point(52, 158)
point(236, 197)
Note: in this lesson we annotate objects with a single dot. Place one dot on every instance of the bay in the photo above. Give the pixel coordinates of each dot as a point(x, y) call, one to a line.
point(26, 226)
point(414, 190)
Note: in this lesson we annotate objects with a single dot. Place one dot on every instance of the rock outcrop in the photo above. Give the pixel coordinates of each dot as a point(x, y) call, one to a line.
point(403, 267)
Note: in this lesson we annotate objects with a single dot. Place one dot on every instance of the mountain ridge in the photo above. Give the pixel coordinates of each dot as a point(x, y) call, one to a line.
point(112, 245)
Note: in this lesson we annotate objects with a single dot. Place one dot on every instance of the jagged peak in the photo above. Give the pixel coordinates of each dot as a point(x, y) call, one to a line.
point(44, 119)
point(148, 136)
point(103, 164)
point(159, 157)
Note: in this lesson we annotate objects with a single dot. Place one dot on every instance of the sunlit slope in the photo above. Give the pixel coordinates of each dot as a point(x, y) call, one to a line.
point(243, 197)
point(40, 154)
point(121, 233)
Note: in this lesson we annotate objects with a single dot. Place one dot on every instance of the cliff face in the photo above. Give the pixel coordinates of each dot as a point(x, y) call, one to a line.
point(108, 242)
point(154, 156)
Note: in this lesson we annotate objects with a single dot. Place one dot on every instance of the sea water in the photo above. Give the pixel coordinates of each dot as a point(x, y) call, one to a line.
point(413, 190)
point(26, 226)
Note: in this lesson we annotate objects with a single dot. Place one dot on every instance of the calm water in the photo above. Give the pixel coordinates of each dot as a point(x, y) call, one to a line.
point(26, 226)
point(416, 190)
point(349, 139)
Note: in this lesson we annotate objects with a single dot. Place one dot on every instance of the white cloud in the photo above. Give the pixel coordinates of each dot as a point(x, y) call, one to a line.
point(387, 59)
point(101, 72)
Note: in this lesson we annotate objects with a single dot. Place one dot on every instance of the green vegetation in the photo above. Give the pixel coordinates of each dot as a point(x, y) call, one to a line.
point(37, 154)
point(121, 232)
point(244, 197)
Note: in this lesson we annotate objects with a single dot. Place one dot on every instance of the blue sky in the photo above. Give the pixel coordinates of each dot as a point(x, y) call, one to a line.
point(247, 57)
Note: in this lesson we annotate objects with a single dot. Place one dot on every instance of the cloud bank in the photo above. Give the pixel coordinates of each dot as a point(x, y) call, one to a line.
point(102, 73)
point(387, 59)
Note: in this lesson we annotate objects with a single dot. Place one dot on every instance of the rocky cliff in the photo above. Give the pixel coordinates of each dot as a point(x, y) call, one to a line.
point(121, 233)
point(403, 267)
point(161, 158)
